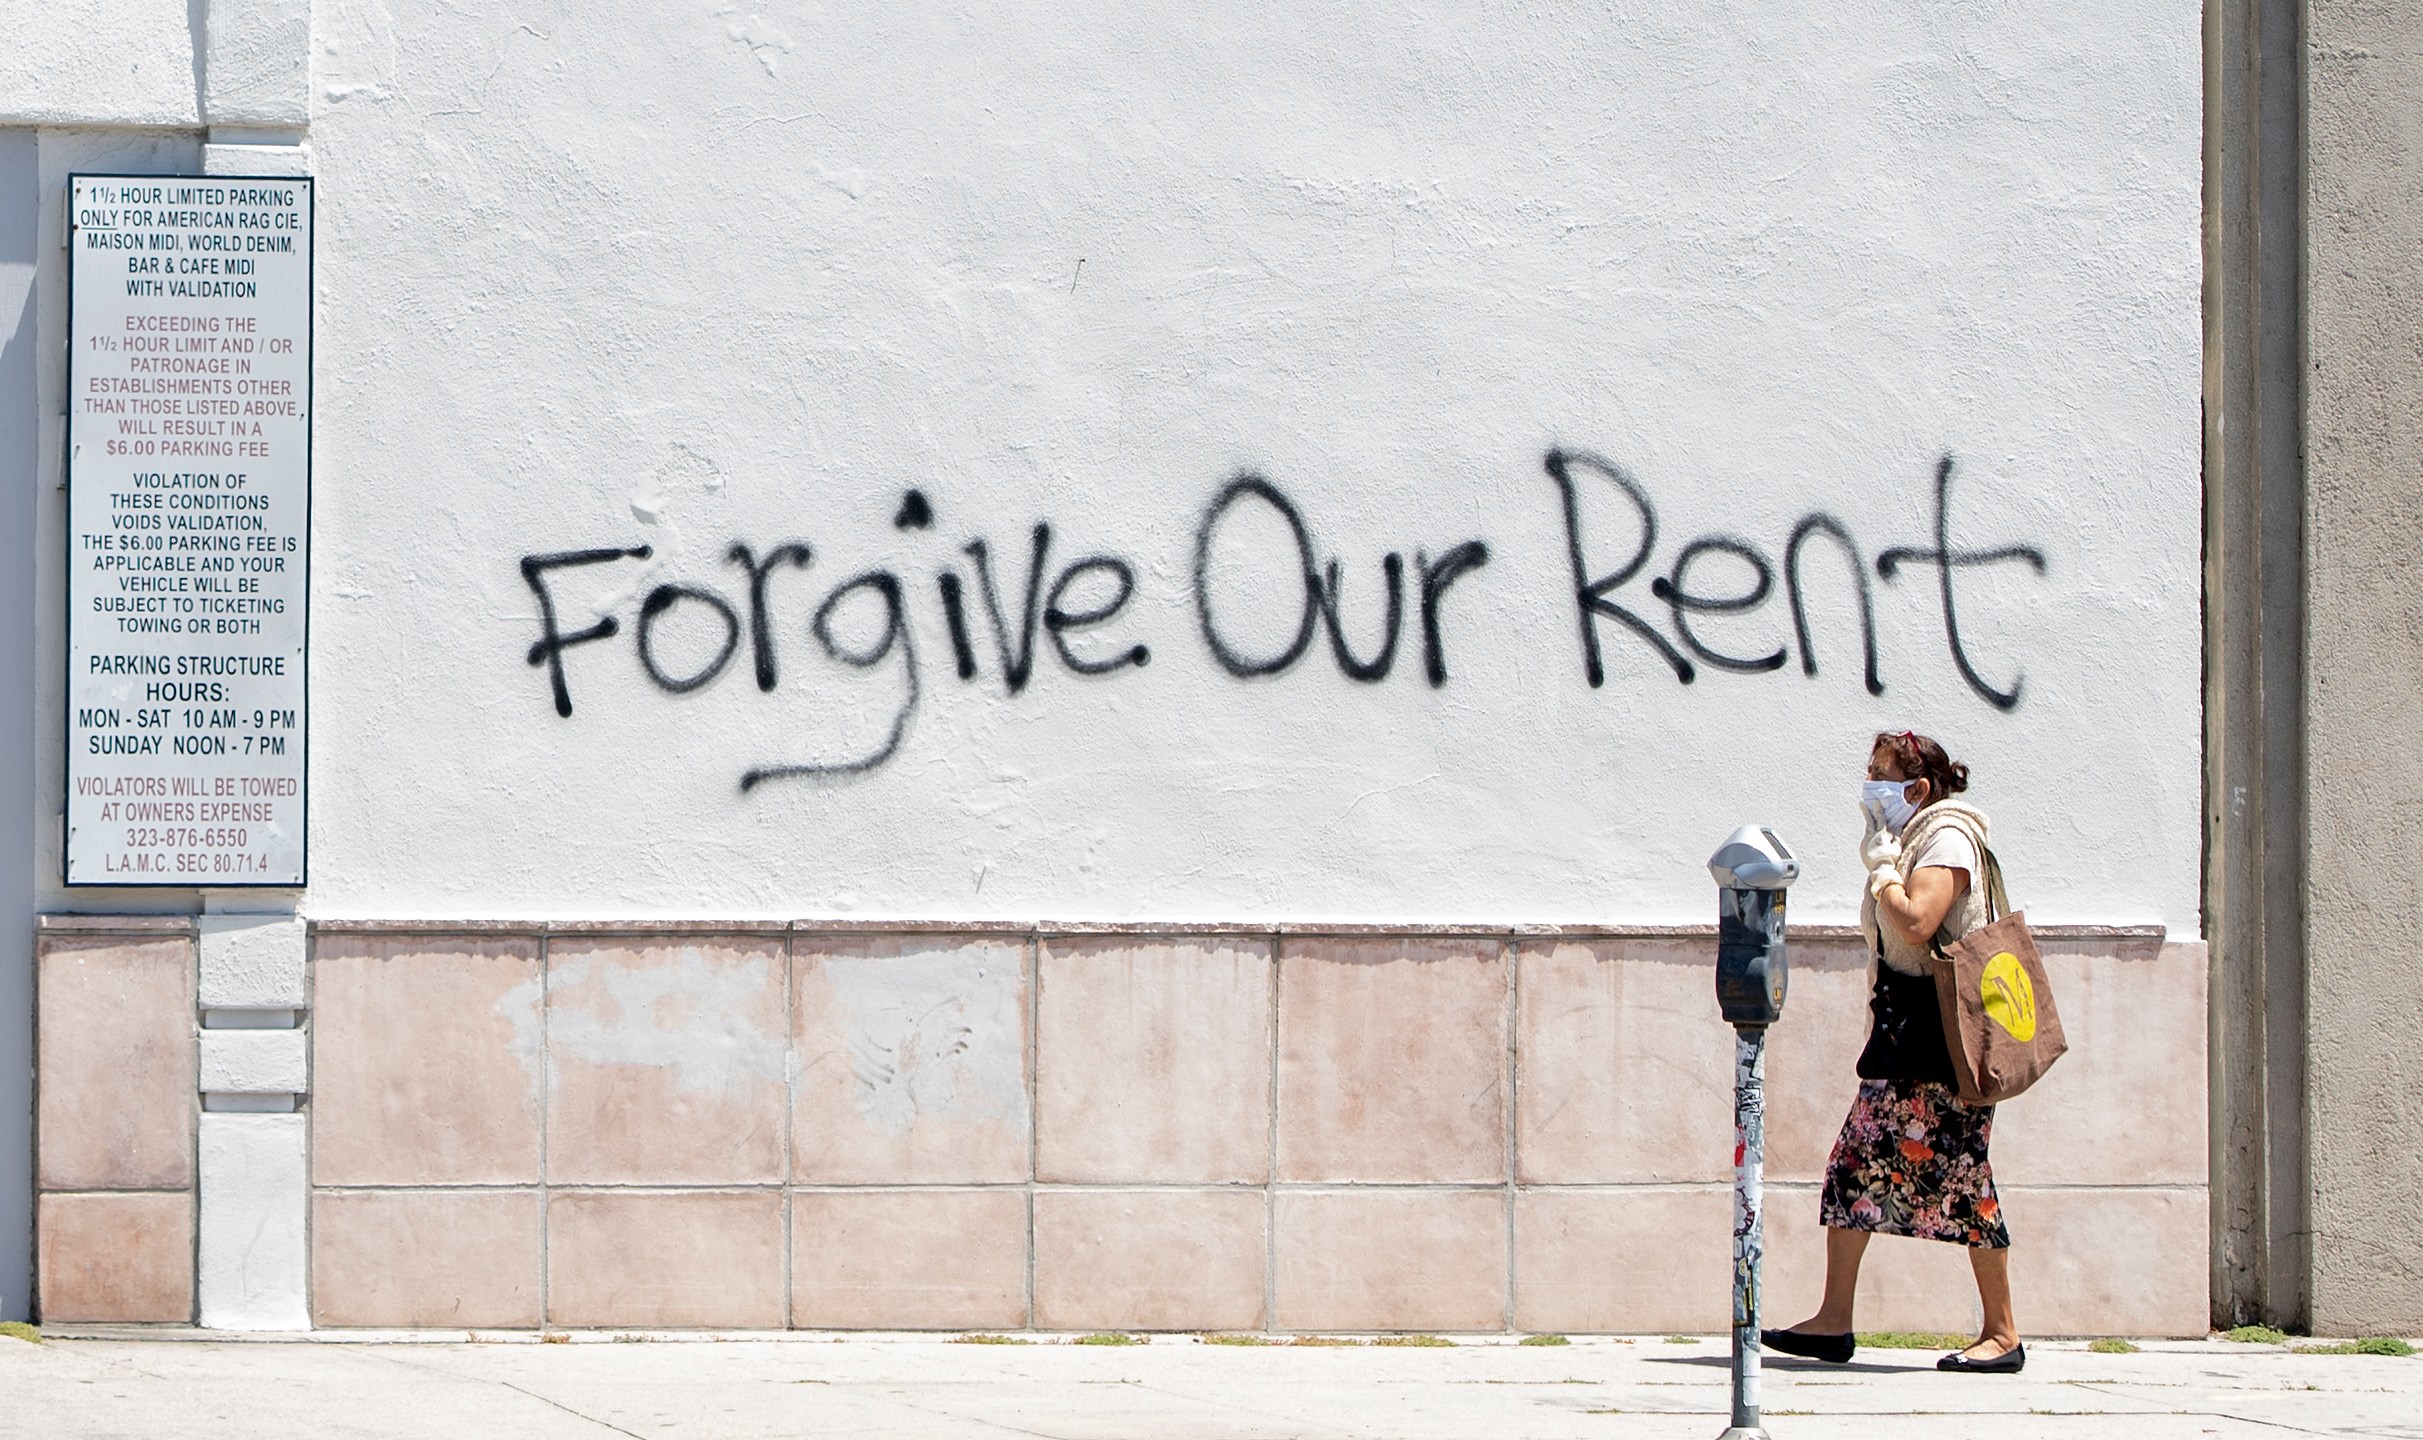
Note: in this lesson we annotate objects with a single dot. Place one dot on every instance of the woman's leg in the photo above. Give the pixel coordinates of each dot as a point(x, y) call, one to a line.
point(1844, 1249)
point(1999, 1334)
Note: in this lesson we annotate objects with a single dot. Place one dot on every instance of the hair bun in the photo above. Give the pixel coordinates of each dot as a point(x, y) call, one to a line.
point(1920, 757)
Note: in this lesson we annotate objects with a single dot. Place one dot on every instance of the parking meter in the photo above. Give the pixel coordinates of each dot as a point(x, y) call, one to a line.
point(1752, 869)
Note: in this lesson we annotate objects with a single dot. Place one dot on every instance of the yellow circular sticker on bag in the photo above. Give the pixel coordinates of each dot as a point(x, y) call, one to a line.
point(2010, 999)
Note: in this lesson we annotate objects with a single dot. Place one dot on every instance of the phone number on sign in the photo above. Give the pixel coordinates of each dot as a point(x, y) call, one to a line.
point(174, 838)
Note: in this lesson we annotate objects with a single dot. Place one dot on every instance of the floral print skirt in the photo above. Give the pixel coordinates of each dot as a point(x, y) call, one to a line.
point(1911, 1160)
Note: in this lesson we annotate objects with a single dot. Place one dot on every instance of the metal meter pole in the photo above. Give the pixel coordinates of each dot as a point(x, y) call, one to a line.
point(1752, 870)
point(1749, 1229)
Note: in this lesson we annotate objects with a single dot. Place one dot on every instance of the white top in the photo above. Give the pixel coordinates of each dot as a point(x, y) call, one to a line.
point(1952, 850)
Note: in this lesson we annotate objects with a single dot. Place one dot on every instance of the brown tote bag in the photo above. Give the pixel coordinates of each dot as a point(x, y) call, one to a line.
point(1999, 1020)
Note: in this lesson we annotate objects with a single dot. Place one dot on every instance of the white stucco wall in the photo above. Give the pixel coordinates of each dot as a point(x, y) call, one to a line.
point(101, 62)
point(689, 275)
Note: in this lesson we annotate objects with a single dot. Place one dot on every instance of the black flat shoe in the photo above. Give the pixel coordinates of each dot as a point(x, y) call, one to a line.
point(1833, 1349)
point(2009, 1362)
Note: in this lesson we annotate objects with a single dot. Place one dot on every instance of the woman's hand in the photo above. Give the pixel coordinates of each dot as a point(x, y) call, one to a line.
point(1879, 848)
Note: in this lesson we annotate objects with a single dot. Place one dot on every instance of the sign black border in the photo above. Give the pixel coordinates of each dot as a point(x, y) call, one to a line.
point(67, 462)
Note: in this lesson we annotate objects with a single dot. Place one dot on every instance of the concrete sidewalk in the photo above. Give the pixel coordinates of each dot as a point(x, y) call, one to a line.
point(171, 1387)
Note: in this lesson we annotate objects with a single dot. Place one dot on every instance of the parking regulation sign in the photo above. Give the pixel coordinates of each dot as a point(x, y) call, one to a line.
point(189, 529)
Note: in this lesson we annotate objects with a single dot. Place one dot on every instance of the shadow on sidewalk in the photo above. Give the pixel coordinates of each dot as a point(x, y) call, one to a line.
point(1783, 1362)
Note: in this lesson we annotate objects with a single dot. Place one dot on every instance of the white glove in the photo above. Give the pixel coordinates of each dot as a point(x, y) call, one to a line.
point(1879, 847)
point(1880, 877)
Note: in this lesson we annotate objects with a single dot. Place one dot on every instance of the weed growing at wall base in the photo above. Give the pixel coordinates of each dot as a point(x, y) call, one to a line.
point(1912, 1340)
point(2369, 1345)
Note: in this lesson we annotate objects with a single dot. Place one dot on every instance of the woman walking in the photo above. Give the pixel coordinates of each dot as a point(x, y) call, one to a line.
point(1911, 1158)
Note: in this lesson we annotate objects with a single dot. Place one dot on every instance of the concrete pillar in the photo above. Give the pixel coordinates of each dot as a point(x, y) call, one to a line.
point(256, 64)
point(255, 1189)
point(2314, 657)
point(2363, 396)
point(253, 1252)
point(20, 500)
point(2255, 655)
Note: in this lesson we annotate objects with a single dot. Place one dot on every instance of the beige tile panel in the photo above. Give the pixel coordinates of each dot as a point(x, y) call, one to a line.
point(666, 1061)
point(908, 1259)
point(1152, 1060)
point(2111, 1262)
point(1149, 1259)
point(682, 1260)
point(115, 1063)
point(427, 1063)
point(2083, 1261)
point(912, 1061)
point(1812, 1055)
point(452, 1258)
point(1623, 1260)
point(1391, 1260)
point(1392, 1060)
point(116, 1257)
point(1626, 1071)
point(2126, 1105)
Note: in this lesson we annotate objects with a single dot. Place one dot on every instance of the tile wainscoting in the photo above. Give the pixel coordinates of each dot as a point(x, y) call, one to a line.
point(757, 1126)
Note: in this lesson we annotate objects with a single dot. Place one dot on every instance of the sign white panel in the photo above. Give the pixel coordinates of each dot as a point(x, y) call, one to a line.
point(189, 508)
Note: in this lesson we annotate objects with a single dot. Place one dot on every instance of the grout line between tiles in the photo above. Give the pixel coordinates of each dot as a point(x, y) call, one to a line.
point(1270, 1178)
point(1033, 964)
point(1512, 1111)
point(790, 1112)
point(546, 1123)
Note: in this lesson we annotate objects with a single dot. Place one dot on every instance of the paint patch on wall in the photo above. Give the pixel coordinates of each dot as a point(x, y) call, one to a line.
point(933, 1035)
point(691, 1017)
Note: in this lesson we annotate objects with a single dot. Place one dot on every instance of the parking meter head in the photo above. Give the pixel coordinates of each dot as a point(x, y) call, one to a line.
point(1753, 858)
point(1752, 868)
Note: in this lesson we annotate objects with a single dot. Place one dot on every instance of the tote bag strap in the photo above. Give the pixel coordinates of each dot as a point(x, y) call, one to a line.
point(1998, 901)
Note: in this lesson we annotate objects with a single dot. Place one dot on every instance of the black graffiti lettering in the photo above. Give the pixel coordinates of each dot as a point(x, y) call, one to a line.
point(549, 649)
point(1437, 575)
point(895, 636)
point(1590, 596)
point(761, 626)
point(1945, 559)
point(1059, 621)
point(1074, 604)
point(1684, 602)
point(1827, 525)
point(955, 618)
point(1235, 664)
point(664, 598)
point(1017, 663)
point(1392, 575)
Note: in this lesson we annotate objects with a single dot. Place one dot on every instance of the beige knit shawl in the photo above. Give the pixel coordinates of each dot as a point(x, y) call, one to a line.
point(1967, 913)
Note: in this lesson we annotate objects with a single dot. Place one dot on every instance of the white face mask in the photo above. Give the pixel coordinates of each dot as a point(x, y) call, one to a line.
point(1887, 796)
